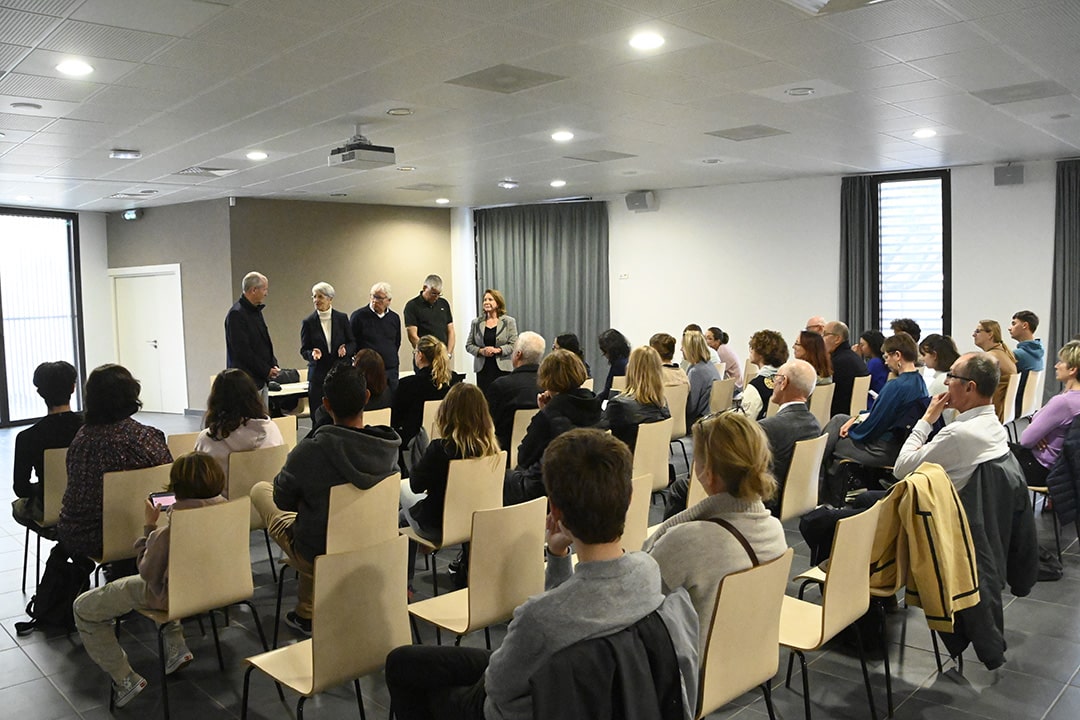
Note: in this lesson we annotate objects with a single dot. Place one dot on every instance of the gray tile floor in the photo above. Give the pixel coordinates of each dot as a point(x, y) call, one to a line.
point(51, 678)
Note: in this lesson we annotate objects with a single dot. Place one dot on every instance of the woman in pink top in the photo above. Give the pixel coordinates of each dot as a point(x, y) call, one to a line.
point(717, 339)
point(236, 419)
point(1041, 442)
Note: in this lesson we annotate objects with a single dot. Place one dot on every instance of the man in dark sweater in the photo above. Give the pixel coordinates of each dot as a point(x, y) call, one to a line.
point(794, 382)
point(846, 365)
point(295, 508)
point(378, 328)
point(518, 390)
point(247, 339)
point(55, 382)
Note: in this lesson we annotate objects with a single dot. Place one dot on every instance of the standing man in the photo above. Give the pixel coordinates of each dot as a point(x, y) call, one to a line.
point(247, 340)
point(377, 327)
point(845, 363)
point(429, 314)
point(1029, 353)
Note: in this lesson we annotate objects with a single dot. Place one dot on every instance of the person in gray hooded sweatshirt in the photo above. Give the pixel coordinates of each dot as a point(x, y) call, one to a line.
point(295, 508)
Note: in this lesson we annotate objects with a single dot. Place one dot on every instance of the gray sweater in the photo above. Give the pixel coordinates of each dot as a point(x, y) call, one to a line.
point(696, 554)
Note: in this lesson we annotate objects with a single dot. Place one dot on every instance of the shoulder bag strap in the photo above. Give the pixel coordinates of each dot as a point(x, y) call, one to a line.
point(738, 536)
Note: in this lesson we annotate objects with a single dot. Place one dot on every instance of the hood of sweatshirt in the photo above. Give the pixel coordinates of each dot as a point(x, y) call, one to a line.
point(579, 406)
point(362, 456)
point(1034, 348)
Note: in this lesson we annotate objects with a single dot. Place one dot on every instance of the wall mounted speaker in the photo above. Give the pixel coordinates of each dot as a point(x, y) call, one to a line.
point(641, 201)
point(1009, 175)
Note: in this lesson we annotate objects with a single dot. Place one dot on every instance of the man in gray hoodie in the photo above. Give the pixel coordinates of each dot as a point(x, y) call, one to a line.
point(295, 508)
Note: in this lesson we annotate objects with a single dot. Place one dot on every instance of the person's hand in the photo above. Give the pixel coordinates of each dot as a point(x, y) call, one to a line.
point(557, 538)
point(341, 351)
point(938, 403)
point(274, 372)
point(316, 354)
point(543, 399)
point(151, 513)
point(847, 426)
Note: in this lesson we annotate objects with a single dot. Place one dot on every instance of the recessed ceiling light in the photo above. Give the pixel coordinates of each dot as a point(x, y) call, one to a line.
point(508, 184)
point(923, 133)
point(399, 111)
point(74, 67)
point(122, 154)
point(25, 106)
point(1059, 116)
point(712, 161)
point(2, 135)
point(562, 136)
point(557, 183)
point(442, 201)
point(24, 198)
point(799, 91)
point(405, 168)
point(257, 155)
point(339, 195)
point(148, 192)
point(646, 41)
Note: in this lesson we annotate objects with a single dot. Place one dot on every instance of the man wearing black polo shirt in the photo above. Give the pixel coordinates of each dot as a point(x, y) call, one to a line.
point(429, 314)
point(377, 327)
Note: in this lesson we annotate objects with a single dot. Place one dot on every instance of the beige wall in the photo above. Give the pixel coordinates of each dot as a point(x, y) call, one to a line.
point(195, 235)
point(297, 244)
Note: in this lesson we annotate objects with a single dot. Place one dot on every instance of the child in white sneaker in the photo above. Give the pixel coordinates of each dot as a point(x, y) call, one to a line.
point(196, 480)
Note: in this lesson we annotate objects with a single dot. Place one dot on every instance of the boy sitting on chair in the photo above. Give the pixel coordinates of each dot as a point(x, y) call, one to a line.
point(197, 480)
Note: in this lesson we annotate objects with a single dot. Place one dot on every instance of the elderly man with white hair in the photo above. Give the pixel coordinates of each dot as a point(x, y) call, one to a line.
point(376, 327)
point(793, 383)
point(518, 390)
point(247, 339)
point(326, 339)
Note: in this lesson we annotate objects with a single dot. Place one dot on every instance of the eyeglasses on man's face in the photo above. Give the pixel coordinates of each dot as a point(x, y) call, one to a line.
point(949, 377)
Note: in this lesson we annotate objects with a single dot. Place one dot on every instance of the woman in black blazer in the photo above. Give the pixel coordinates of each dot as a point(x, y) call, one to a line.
point(325, 340)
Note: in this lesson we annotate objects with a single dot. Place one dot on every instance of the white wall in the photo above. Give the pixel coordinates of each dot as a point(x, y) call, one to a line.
point(96, 301)
point(463, 295)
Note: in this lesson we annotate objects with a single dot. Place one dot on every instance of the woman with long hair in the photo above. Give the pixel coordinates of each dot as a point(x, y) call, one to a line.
point(235, 420)
point(431, 381)
point(987, 337)
point(938, 354)
point(491, 339)
point(569, 341)
point(731, 461)
point(643, 400)
point(700, 372)
point(811, 347)
point(869, 349)
point(616, 350)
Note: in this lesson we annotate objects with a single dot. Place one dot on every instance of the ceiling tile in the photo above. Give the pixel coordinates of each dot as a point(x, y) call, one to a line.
point(47, 88)
point(11, 54)
point(167, 17)
point(22, 28)
point(731, 19)
point(58, 8)
point(577, 19)
point(935, 41)
point(896, 17)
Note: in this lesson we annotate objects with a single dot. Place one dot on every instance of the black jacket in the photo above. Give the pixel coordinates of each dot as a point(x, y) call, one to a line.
point(507, 395)
point(846, 366)
point(247, 341)
point(1064, 477)
point(407, 413)
point(312, 337)
point(623, 414)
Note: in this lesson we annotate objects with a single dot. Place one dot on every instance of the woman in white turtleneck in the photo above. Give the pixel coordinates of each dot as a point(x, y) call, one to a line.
point(325, 340)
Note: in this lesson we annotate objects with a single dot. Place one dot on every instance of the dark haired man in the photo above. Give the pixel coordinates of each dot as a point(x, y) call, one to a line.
point(1030, 353)
point(55, 382)
point(908, 326)
point(295, 508)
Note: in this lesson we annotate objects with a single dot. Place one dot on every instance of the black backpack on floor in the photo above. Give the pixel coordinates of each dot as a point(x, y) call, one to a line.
point(64, 580)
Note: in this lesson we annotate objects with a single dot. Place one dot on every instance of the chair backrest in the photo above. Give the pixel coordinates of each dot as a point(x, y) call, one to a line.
point(618, 383)
point(676, 397)
point(696, 492)
point(846, 595)
point(287, 425)
point(801, 484)
point(821, 403)
point(181, 443)
point(55, 469)
point(637, 515)
point(860, 388)
point(522, 418)
point(302, 373)
point(122, 503)
point(377, 417)
point(651, 451)
point(1010, 398)
point(772, 409)
point(471, 485)
point(431, 409)
point(750, 371)
point(1032, 400)
point(506, 560)
point(360, 611)
point(721, 367)
point(588, 384)
point(742, 649)
point(252, 466)
point(209, 557)
point(360, 518)
point(723, 394)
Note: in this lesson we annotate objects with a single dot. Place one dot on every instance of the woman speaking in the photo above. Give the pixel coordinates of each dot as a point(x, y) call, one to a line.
point(491, 339)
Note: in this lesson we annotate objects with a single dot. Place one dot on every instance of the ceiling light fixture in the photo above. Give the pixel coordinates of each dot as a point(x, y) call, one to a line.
point(339, 195)
point(122, 154)
point(1058, 116)
point(508, 184)
point(25, 106)
point(442, 201)
point(399, 112)
point(78, 68)
point(405, 168)
point(257, 155)
point(799, 91)
point(557, 183)
point(148, 192)
point(562, 136)
point(924, 133)
point(646, 41)
point(712, 161)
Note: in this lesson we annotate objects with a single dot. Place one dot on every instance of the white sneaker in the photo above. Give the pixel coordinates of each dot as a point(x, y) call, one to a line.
point(178, 659)
point(126, 690)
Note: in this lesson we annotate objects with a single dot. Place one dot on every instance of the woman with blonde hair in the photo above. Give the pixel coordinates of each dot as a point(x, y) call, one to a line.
point(431, 381)
point(643, 400)
point(491, 340)
point(700, 371)
point(1043, 440)
point(987, 337)
point(466, 431)
point(698, 547)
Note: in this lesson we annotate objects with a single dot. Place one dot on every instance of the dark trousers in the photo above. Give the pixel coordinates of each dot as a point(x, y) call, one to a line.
point(431, 682)
point(392, 379)
point(1034, 472)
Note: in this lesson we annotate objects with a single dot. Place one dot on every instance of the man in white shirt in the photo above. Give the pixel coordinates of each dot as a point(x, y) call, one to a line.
point(974, 437)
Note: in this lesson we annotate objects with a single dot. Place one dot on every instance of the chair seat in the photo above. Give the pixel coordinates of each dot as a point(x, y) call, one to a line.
point(800, 624)
point(449, 611)
point(419, 539)
point(158, 616)
point(291, 665)
point(814, 574)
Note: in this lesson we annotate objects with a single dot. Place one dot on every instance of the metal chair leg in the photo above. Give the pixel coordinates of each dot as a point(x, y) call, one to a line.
point(26, 557)
point(865, 671)
point(217, 642)
point(244, 698)
point(790, 667)
point(359, 698)
point(164, 678)
point(270, 555)
point(487, 638)
point(300, 708)
point(805, 684)
point(766, 691)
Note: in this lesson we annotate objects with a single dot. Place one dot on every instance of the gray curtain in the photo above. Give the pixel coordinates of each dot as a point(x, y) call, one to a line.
point(859, 255)
point(1064, 320)
point(551, 264)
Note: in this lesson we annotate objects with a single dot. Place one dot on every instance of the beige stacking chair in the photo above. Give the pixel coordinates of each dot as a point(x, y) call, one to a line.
point(1032, 393)
point(801, 485)
point(1010, 398)
point(820, 403)
point(247, 468)
point(722, 395)
point(750, 371)
point(431, 410)
point(522, 418)
point(636, 527)
point(860, 389)
point(377, 417)
point(651, 452)
point(181, 443)
point(287, 425)
point(721, 367)
point(618, 383)
point(55, 469)
point(676, 397)
point(123, 505)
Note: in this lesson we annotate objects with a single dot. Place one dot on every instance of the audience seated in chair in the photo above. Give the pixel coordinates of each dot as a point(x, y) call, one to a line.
point(792, 385)
point(642, 401)
point(517, 390)
point(295, 507)
point(370, 363)
point(701, 373)
point(846, 365)
point(616, 350)
point(236, 419)
point(768, 351)
point(664, 345)
point(587, 476)
point(1042, 441)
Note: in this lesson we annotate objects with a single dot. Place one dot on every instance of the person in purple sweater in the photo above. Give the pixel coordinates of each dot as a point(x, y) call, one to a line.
point(1042, 440)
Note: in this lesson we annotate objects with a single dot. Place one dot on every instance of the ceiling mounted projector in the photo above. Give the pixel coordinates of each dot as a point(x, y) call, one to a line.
point(359, 154)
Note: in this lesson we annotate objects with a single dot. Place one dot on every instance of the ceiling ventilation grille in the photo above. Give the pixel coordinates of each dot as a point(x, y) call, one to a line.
point(599, 156)
point(206, 171)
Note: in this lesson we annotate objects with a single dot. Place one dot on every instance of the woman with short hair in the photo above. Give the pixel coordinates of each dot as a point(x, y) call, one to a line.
point(643, 400)
point(491, 340)
point(326, 338)
point(938, 354)
point(235, 420)
point(768, 351)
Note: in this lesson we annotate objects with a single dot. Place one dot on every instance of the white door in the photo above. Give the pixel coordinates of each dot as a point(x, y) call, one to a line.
point(150, 334)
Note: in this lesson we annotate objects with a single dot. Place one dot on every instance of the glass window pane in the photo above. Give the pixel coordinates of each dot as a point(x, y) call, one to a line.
point(36, 297)
point(912, 279)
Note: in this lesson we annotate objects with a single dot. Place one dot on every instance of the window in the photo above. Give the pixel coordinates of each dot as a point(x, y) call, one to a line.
point(912, 223)
point(37, 305)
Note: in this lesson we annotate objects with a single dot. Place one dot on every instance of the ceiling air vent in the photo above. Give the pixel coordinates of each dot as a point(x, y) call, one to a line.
point(206, 171)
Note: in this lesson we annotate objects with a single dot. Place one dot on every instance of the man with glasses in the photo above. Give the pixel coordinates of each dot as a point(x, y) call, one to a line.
point(974, 437)
point(816, 324)
point(793, 383)
point(429, 314)
point(377, 327)
point(846, 365)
